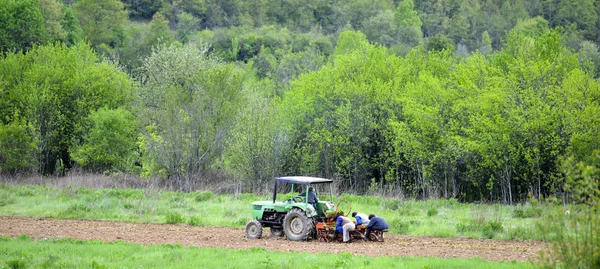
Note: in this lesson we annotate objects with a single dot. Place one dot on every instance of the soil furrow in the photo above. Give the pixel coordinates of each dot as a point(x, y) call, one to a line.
point(223, 237)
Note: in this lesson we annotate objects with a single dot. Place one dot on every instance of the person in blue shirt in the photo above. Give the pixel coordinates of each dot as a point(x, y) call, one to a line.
point(375, 224)
point(361, 219)
point(312, 197)
point(344, 225)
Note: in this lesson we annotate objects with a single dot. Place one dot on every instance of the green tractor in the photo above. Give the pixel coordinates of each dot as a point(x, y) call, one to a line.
point(295, 217)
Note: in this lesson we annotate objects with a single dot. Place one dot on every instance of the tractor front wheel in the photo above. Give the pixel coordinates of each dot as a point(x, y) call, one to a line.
point(254, 229)
point(297, 226)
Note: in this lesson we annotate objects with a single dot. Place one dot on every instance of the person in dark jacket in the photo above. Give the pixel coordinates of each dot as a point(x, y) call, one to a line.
point(312, 197)
point(375, 224)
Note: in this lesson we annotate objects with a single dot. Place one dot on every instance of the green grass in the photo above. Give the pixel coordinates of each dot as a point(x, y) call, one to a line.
point(67, 253)
point(441, 218)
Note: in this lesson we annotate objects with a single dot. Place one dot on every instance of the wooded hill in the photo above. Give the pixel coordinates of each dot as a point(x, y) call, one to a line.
point(471, 99)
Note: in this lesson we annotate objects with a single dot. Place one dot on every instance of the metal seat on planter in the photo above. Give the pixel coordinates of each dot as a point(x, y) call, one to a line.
point(378, 235)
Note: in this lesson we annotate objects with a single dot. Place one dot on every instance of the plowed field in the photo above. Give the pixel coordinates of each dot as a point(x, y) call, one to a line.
point(222, 237)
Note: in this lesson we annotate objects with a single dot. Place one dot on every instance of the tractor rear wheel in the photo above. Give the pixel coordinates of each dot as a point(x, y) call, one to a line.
point(254, 229)
point(297, 226)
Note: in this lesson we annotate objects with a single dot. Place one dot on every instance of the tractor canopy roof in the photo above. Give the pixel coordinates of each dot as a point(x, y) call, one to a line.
point(303, 180)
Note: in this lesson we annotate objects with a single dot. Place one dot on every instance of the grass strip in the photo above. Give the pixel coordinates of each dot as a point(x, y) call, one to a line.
point(22, 252)
point(440, 218)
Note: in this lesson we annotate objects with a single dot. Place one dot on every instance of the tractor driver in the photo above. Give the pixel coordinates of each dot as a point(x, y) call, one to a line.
point(312, 197)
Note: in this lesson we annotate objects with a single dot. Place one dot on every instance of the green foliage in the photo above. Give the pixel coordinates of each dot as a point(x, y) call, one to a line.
point(399, 226)
point(54, 88)
point(202, 196)
point(71, 26)
point(7, 198)
point(142, 9)
point(527, 212)
point(18, 146)
point(195, 221)
point(174, 218)
point(576, 227)
point(75, 211)
point(21, 25)
point(125, 193)
point(432, 212)
point(102, 21)
point(17, 264)
point(440, 43)
point(110, 143)
point(190, 101)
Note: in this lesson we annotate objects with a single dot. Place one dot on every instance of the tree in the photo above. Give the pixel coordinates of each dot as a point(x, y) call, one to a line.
point(581, 13)
point(382, 29)
point(409, 24)
point(53, 14)
point(18, 147)
point(532, 27)
point(439, 43)
point(142, 9)
point(159, 33)
point(486, 44)
point(54, 88)
point(102, 21)
point(21, 25)
point(110, 142)
point(188, 101)
point(253, 152)
point(71, 25)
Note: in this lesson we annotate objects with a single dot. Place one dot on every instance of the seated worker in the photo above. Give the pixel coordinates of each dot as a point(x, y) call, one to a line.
point(375, 224)
point(361, 219)
point(344, 225)
point(312, 197)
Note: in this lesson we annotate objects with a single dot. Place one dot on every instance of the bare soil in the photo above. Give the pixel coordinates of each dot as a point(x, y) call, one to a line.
point(223, 237)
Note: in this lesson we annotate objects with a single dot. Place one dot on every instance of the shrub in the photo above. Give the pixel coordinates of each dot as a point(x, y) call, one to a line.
point(75, 211)
point(520, 233)
point(495, 225)
point(194, 221)
point(399, 226)
point(444, 232)
point(174, 218)
point(408, 211)
point(110, 142)
point(18, 146)
point(532, 212)
point(17, 264)
point(471, 225)
point(201, 196)
point(577, 229)
point(527, 212)
point(125, 193)
point(24, 191)
point(6, 198)
point(518, 213)
point(391, 204)
point(432, 212)
point(492, 227)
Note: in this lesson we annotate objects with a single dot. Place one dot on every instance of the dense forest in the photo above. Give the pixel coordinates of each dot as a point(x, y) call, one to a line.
point(479, 100)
